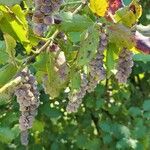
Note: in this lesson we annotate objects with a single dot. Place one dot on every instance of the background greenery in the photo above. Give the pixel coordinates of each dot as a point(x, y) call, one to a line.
point(112, 117)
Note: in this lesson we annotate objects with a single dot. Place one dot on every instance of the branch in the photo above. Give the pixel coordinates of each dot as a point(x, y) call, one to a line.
point(11, 83)
point(72, 3)
point(50, 41)
point(30, 58)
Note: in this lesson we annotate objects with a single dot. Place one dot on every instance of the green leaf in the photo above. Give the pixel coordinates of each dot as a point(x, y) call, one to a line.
point(88, 47)
point(93, 144)
point(55, 146)
point(140, 129)
point(54, 84)
point(20, 15)
point(6, 73)
point(146, 115)
point(41, 60)
point(100, 103)
point(75, 80)
point(38, 126)
point(10, 46)
point(9, 2)
point(10, 118)
point(135, 111)
point(15, 26)
point(120, 131)
point(107, 139)
point(126, 143)
point(4, 99)
point(6, 135)
point(52, 81)
point(16, 130)
point(110, 59)
point(141, 57)
point(105, 126)
point(74, 22)
point(74, 36)
point(82, 141)
point(146, 105)
point(51, 112)
point(3, 55)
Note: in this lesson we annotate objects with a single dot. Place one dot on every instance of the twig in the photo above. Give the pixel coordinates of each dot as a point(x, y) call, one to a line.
point(30, 58)
point(78, 8)
point(112, 17)
point(106, 90)
point(51, 39)
point(11, 83)
point(95, 121)
point(71, 3)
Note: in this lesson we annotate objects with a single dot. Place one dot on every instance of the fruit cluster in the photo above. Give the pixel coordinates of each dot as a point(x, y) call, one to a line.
point(75, 98)
point(124, 66)
point(96, 74)
point(43, 14)
point(97, 70)
point(28, 99)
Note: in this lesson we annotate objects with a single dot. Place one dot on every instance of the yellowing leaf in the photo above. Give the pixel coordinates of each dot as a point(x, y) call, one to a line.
point(121, 36)
point(136, 8)
point(15, 25)
point(129, 15)
point(99, 6)
point(125, 16)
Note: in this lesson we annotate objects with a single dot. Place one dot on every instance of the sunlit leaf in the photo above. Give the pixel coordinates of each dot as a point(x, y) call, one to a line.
point(17, 28)
point(129, 15)
point(99, 7)
point(110, 58)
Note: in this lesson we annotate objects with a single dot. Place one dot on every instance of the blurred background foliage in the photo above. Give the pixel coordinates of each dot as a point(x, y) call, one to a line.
point(112, 117)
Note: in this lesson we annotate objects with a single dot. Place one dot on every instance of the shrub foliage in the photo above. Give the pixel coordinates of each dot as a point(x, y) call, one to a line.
point(83, 65)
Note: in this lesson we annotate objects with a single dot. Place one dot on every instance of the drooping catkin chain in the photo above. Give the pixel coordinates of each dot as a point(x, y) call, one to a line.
point(124, 66)
point(75, 99)
point(43, 14)
point(96, 74)
point(96, 66)
point(28, 99)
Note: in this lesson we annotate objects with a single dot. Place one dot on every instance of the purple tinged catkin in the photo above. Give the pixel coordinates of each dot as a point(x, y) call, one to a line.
point(28, 99)
point(97, 70)
point(96, 74)
point(124, 66)
point(75, 99)
point(43, 14)
point(24, 137)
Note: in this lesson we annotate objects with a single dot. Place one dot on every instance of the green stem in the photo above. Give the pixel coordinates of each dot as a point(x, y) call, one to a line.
point(72, 3)
point(30, 58)
point(11, 83)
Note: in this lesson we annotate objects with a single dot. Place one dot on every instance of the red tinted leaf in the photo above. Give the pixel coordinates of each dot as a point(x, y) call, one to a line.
point(114, 5)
